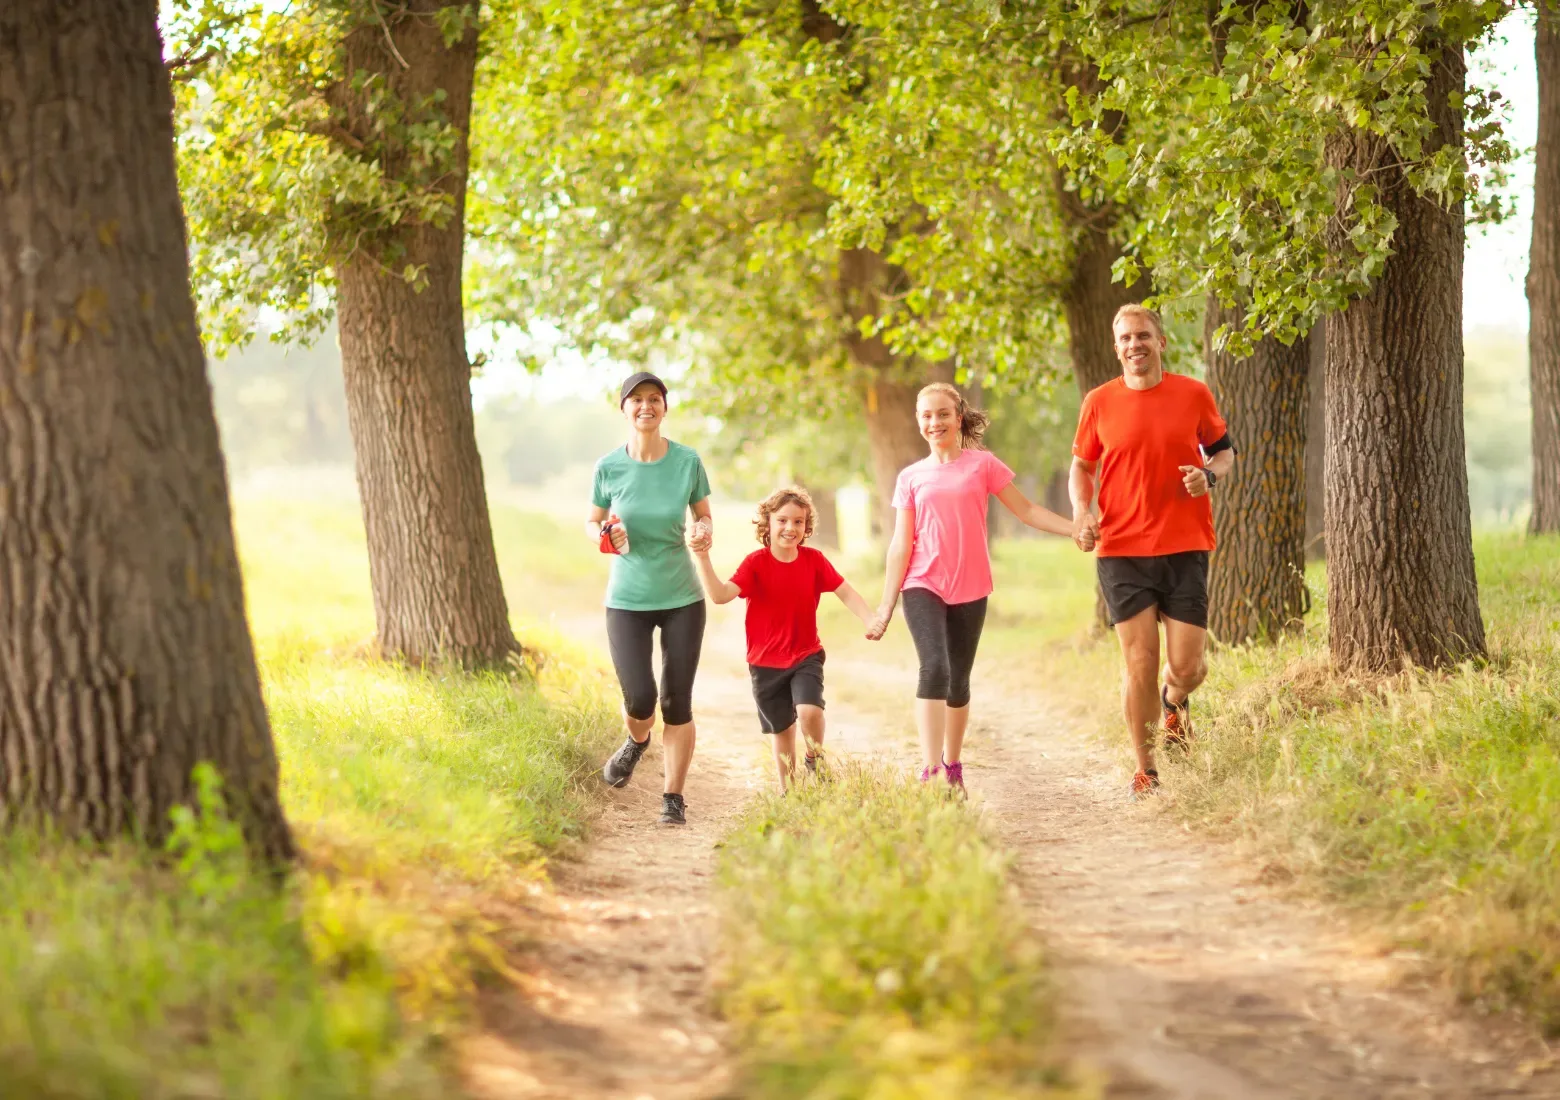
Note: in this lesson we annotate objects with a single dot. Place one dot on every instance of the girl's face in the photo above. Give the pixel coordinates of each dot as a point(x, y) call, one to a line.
point(938, 416)
point(645, 407)
point(788, 525)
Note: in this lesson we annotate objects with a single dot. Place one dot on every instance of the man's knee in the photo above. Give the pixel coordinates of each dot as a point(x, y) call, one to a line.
point(1186, 672)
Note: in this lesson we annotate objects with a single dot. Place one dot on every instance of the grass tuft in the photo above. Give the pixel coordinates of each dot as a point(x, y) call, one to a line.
point(873, 949)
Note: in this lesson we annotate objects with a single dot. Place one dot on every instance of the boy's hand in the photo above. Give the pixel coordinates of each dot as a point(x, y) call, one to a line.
point(700, 537)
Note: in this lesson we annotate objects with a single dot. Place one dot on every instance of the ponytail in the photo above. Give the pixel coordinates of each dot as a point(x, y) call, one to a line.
point(972, 421)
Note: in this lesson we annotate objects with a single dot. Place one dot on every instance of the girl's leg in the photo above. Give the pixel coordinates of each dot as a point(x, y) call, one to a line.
point(682, 639)
point(927, 618)
point(965, 621)
point(785, 755)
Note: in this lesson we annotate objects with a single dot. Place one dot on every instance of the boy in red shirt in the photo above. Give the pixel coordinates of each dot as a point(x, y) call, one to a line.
point(782, 582)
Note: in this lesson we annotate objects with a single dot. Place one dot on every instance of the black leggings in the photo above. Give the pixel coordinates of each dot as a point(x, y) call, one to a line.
point(629, 634)
point(945, 639)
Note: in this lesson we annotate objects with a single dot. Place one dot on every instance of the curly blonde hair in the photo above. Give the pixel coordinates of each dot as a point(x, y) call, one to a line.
point(972, 422)
point(791, 494)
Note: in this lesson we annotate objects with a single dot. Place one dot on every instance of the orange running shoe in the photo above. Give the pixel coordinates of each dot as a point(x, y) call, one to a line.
point(1144, 782)
point(1176, 724)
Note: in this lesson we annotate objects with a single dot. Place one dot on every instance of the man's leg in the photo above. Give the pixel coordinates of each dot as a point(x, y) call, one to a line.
point(1186, 667)
point(1139, 637)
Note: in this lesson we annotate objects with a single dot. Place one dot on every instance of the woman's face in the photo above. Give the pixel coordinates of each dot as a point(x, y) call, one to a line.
point(788, 525)
point(938, 417)
point(645, 407)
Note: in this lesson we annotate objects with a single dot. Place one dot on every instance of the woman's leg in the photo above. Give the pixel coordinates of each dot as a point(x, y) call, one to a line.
point(682, 639)
point(927, 618)
point(965, 621)
point(629, 637)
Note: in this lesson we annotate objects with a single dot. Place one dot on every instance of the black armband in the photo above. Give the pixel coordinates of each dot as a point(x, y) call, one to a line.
point(1221, 444)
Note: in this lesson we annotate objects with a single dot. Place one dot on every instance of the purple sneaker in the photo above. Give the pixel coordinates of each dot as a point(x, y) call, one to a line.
point(955, 774)
point(928, 774)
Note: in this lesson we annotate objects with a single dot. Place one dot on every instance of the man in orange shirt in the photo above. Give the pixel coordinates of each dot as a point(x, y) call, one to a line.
point(1157, 445)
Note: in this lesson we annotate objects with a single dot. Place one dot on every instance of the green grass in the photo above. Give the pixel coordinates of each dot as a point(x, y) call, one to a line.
point(873, 949)
point(1428, 800)
point(425, 804)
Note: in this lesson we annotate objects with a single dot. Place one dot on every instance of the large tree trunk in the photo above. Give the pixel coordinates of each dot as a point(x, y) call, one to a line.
point(437, 593)
point(1543, 282)
point(125, 657)
point(1256, 582)
point(1316, 445)
point(1089, 302)
point(1401, 581)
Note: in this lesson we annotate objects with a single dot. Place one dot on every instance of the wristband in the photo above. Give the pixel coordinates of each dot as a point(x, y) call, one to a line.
point(1209, 474)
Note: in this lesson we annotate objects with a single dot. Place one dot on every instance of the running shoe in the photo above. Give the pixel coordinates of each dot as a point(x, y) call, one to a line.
point(1144, 782)
point(814, 764)
point(620, 769)
point(931, 773)
point(672, 807)
point(1176, 725)
point(955, 775)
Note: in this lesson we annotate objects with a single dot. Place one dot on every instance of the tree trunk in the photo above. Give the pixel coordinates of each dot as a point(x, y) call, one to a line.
point(826, 518)
point(1316, 445)
point(1256, 580)
point(437, 593)
point(1401, 582)
point(1543, 282)
point(1089, 302)
point(125, 656)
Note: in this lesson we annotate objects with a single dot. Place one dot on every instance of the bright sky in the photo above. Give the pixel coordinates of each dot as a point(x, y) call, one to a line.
point(1493, 275)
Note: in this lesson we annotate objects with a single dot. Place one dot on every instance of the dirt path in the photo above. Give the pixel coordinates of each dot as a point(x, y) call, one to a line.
point(1182, 975)
point(1185, 976)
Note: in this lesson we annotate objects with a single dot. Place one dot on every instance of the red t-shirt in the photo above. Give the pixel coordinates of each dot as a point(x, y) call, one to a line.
point(782, 604)
point(1141, 439)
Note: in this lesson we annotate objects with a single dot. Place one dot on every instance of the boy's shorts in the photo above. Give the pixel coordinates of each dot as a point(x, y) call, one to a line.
point(778, 691)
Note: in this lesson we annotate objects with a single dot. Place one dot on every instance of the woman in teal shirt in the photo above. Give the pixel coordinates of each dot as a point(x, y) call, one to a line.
point(646, 489)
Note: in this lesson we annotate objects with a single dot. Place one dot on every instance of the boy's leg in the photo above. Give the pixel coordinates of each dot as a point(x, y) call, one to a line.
point(785, 755)
point(1139, 637)
point(807, 698)
point(810, 720)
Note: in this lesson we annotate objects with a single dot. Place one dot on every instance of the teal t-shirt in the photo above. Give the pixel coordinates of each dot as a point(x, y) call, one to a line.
point(652, 499)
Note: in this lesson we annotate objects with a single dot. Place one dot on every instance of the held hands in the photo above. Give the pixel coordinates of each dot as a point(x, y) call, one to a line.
point(1086, 530)
point(1195, 478)
point(700, 537)
point(878, 625)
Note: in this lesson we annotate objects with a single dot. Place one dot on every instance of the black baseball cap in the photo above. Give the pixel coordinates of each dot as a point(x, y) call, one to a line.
point(635, 381)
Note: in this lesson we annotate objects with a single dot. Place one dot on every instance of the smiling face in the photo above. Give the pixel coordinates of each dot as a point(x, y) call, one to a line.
point(788, 526)
point(1139, 346)
point(937, 414)
point(645, 407)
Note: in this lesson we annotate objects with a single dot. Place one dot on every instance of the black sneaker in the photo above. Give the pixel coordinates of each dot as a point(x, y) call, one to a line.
point(672, 807)
point(620, 769)
point(814, 764)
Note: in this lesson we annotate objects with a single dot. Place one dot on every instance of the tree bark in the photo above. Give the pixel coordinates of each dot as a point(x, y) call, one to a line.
point(1256, 580)
point(1401, 582)
point(1316, 445)
point(437, 594)
point(125, 656)
point(1543, 281)
point(1089, 302)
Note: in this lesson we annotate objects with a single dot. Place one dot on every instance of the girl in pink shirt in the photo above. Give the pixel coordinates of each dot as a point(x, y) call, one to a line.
point(938, 559)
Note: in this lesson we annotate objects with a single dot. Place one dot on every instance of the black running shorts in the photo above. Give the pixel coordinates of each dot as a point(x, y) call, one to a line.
point(778, 691)
point(1176, 583)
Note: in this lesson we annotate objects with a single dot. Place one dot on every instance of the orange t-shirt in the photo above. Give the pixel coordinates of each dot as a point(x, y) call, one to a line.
point(1141, 438)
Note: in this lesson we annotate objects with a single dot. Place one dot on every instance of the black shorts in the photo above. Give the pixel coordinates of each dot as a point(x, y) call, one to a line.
point(778, 691)
point(1176, 583)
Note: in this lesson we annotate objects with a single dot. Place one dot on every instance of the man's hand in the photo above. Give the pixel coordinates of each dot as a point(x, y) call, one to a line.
point(1086, 530)
point(700, 537)
point(1195, 479)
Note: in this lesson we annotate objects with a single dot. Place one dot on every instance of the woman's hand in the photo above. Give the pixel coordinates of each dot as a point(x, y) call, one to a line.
point(700, 536)
point(619, 537)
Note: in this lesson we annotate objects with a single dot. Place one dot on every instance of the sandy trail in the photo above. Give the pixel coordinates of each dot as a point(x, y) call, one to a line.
point(1182, 974)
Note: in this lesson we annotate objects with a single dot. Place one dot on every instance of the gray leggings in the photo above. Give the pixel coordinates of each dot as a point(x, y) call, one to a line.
point(945, 637)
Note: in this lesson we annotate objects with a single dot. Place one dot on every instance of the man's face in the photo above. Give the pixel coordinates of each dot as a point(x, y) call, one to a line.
point(1139, 347)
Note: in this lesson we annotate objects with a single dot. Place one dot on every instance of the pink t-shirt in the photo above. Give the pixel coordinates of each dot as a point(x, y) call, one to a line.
point(949, 556)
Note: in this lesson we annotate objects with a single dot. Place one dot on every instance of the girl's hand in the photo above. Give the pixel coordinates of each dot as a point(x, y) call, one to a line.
point(876, 629)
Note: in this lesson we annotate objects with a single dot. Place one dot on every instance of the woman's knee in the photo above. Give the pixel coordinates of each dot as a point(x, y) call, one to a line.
point(677, 708)
point(639, 702)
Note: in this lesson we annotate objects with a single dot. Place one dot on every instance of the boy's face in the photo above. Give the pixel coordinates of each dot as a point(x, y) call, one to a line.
point(788, 525)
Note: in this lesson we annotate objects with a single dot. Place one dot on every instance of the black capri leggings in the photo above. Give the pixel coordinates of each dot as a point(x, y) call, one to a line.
point(945, 639)
point(682, 636)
